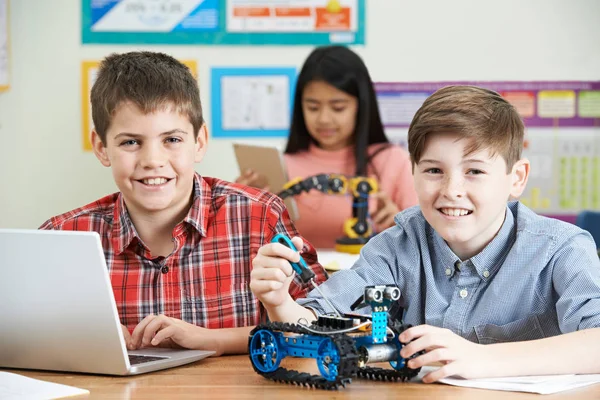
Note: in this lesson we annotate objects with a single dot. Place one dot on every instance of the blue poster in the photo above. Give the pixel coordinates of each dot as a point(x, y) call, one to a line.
point(223, 22)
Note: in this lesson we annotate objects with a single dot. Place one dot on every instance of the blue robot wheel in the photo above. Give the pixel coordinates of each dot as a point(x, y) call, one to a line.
point(264, 351)
point(328, 359)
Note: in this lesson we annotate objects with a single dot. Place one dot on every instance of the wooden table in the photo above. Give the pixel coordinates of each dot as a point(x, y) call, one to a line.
point(232, 377)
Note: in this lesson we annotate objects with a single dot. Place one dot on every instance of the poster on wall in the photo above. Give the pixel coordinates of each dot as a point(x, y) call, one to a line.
point(89, 71)
point(4, 52)
point(562, 136)
point(252, 102)
point(224, 22)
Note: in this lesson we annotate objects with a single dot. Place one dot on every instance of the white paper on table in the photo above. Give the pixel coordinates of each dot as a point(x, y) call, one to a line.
point(19, 387)
point(545, 384)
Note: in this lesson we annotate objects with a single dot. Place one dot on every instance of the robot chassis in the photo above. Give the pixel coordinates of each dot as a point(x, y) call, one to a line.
point(343, 347)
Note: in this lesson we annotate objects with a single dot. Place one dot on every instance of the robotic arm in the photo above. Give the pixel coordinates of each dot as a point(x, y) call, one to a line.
point(326, 183)
point(358, 229)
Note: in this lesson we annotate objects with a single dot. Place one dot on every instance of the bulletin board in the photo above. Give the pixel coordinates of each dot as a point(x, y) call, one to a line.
point(89, 71)
point(562, 136)
point(224, 22)
point(4, 47)
point(252, 102)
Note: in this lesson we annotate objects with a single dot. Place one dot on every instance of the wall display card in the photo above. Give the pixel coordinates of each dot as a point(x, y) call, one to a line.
point(252, 102)
point(562, 136)
point(302, 22)
point(4, 55)
point(89, 71)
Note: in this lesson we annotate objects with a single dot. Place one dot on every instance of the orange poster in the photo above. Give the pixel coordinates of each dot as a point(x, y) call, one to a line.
point(342, 18)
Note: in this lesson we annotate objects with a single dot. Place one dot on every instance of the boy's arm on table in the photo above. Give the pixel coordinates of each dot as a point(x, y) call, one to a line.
point(163, 331)
point(570, 353)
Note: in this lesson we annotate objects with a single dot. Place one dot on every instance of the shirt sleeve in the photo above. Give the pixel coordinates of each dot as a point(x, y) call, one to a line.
point(576, 280)
point(377, 265)
point(48, 225)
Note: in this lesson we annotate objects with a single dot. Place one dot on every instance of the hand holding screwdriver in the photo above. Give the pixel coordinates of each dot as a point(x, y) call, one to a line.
point(301, 268)
point(271, 276)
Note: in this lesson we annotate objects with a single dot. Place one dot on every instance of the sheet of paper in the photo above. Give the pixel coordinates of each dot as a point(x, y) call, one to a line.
point(546, 384)
point(334, 260)
point(18, 387)
point(255, 102)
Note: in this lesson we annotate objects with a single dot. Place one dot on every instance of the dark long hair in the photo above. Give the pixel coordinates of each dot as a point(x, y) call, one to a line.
point(342, 68)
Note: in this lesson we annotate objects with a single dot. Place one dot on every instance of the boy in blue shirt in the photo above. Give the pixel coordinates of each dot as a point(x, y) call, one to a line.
point(474, 268)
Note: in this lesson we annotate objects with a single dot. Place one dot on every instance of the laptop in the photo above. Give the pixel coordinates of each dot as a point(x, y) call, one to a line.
point(58, 312)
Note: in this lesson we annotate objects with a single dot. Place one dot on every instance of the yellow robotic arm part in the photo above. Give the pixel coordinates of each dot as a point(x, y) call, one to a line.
point(361, 185)
point(357, 230)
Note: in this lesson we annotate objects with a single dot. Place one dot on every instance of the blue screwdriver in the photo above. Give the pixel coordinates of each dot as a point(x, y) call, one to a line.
point(301, 268)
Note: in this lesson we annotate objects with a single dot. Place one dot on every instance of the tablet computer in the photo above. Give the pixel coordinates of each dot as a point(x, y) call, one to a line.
point(268, 162)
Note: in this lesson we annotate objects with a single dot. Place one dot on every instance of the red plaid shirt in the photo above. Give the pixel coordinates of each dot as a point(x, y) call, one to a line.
point(205, 281)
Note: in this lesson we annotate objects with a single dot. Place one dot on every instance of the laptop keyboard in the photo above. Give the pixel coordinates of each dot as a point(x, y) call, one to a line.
point(135, 359)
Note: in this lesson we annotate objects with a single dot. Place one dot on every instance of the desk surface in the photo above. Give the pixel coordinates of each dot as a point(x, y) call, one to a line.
point(232, 377)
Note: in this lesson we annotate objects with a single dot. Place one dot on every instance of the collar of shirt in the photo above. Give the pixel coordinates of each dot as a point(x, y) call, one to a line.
point(489, 260)
point(124, 233)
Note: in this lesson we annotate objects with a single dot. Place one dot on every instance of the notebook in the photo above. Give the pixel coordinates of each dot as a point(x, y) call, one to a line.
point(58, 309)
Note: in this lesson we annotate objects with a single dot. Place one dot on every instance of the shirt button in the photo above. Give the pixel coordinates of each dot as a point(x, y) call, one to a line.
point(464, 293)
point(164, 270)
point(448, 272)
point(486, 273)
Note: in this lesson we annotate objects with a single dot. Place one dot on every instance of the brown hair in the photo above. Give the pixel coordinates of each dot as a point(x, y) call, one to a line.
point(151, 81)
point(474, 113)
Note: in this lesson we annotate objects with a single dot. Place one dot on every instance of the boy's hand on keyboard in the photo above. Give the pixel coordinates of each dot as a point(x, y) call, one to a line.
point(163, 331)
point(458, 355)
point(272, 273)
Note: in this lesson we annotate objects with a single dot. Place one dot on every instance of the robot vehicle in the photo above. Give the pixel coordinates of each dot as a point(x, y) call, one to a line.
point(343, 346)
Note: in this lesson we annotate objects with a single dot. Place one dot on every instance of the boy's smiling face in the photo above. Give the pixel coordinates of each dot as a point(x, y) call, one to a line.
point(152, 158)
point(463, 196)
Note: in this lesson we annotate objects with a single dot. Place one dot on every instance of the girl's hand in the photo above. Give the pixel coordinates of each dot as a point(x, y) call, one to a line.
point(252, 178)
point(385, 211)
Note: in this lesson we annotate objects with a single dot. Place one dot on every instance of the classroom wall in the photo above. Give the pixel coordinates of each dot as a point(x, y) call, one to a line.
point(44, 171)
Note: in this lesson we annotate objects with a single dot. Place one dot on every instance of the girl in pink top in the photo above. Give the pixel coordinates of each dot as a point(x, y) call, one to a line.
point(336, 128)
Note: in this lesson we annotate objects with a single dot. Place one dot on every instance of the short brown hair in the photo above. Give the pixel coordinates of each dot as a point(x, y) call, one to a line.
point(151, 81)
point(472, 112)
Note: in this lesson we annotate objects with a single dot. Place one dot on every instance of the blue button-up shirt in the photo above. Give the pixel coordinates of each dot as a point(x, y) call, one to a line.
point(538, 277)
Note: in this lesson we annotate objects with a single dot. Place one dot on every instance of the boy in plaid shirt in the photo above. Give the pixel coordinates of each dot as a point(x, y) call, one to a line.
point(178, 245)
